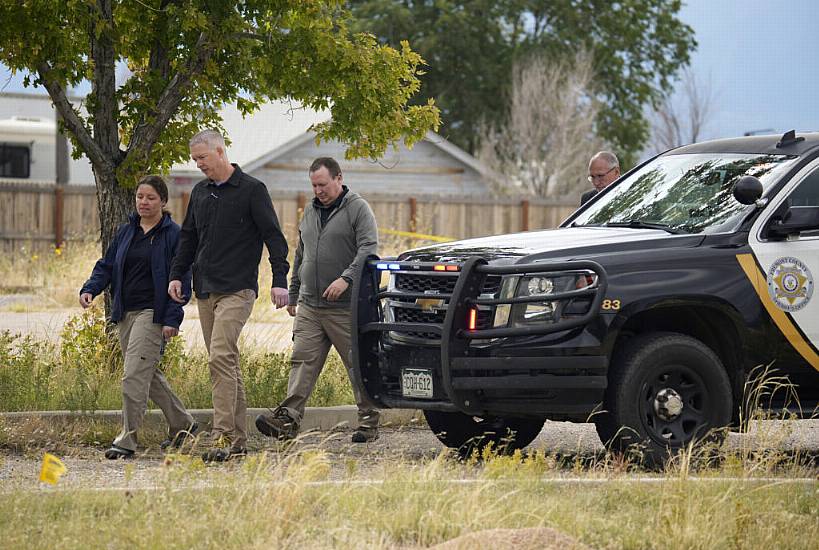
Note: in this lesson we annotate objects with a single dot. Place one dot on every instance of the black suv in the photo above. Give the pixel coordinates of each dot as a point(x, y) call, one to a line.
point(645, 311)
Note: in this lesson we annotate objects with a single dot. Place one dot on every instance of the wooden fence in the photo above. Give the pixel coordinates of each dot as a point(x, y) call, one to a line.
point(42, 214)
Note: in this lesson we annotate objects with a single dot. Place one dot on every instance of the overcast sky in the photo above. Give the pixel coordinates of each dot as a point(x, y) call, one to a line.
point(760, 57)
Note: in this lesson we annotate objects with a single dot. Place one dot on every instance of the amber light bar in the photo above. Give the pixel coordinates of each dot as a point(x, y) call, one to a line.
point(473, 319)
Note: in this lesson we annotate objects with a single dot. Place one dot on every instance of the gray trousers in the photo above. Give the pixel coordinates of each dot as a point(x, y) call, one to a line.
point(142, 345)
point(223, 316)
point(314, 331)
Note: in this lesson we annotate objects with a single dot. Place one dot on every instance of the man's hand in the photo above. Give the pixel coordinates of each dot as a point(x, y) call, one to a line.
point(169, 332)
point(175, 291)
point(279, 297)
point(335, 290)
point(291, 309)
point(86, 299)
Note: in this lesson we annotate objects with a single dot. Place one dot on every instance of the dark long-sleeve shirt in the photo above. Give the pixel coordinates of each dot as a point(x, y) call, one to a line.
point(222, 236)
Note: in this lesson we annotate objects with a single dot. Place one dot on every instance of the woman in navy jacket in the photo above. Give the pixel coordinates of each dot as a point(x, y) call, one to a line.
point(136, 266)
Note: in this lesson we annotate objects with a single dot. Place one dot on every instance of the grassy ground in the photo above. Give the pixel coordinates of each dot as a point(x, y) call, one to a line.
point(84, 371)
point(279, 501)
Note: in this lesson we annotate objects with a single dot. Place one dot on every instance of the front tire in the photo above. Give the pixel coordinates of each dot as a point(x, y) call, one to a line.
point(665, 391)
point(469, 434)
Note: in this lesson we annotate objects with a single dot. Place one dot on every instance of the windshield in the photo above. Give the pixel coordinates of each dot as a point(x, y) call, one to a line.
point(684, 193)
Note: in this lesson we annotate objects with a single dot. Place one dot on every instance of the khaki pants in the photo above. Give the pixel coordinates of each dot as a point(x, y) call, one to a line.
point(223, 316)
point(314, 330)
point(142, 345)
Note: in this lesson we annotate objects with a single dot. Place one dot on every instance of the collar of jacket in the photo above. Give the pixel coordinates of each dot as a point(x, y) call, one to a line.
point(234, 178)
point(164, 222)
point(341, 199)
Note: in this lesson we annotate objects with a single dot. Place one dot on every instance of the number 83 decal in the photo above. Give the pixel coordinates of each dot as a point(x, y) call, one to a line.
point(610, 305)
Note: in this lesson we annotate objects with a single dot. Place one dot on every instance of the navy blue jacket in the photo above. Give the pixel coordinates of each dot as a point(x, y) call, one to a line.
point(109, 270)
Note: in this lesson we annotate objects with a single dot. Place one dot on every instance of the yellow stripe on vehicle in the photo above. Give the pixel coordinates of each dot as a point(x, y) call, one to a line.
point(411, 235)
point(782, 321)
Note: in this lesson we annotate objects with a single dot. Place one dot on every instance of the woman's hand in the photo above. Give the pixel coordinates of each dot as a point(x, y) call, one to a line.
point(85, 299)
point(169, 332)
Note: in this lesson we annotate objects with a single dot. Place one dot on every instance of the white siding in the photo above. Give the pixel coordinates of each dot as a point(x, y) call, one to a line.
point(43, 165)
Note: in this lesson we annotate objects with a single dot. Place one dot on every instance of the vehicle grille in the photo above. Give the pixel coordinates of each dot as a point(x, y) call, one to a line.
point(438, 284)
point(418, 282)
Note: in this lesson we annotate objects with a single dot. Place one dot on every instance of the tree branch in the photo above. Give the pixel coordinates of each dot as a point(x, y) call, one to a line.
point(71, 120)
point(146, 135)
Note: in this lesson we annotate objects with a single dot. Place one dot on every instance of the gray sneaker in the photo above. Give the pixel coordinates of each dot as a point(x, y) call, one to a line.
point(277, 424)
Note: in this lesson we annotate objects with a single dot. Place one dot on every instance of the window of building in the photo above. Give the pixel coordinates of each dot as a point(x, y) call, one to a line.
point(15, 161)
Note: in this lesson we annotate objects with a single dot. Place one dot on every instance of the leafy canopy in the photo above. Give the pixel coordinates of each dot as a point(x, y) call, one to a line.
point(472, 45)
point(189, 57)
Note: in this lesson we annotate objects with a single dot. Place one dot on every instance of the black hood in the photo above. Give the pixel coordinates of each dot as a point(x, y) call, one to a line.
point(564, 243)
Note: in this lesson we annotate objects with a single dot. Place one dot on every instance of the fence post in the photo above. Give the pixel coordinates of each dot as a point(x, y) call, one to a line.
point(524, 215)
point(301, 201)
point(59, 207)
point(186, 199)
point(413, 219)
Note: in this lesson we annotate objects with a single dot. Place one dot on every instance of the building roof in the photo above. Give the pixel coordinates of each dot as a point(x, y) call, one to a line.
point(254, 137)
point(279, 127)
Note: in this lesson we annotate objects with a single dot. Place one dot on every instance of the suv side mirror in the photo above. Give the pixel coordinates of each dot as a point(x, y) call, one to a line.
point(747, 190)
point(795, 220)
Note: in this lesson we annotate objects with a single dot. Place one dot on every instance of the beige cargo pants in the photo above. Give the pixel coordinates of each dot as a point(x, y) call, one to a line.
point(314, 331)
point(142, 344)
point(223, 316)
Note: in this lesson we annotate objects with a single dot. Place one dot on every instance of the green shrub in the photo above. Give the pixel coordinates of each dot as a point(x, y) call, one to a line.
point(84, 372)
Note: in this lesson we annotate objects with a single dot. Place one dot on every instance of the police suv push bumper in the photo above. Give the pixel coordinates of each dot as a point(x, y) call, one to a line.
point(472, 378)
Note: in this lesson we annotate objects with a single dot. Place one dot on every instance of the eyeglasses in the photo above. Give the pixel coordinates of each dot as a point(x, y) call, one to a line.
point(592, 177)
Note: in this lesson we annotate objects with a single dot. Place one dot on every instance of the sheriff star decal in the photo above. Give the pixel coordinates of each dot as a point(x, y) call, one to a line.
point(790, 284)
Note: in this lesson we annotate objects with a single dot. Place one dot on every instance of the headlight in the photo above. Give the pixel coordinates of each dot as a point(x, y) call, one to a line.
point(533, 313)
point(537, 286)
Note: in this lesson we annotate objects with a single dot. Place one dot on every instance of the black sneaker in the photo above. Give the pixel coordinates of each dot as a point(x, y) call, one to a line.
point(277, 424)
point(365, 435)
point(115, 453)
point(180, 437)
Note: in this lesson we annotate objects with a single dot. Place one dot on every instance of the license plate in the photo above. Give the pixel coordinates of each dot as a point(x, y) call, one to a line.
point(416, 383)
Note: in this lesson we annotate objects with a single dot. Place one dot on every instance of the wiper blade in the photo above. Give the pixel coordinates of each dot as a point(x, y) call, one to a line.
point(639, 224)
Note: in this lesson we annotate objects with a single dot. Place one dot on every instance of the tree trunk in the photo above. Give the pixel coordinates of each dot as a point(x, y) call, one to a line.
point(114, 205)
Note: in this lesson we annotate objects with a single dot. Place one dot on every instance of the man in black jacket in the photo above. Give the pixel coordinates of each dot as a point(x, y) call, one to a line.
point(229, 217)
point(604, 168)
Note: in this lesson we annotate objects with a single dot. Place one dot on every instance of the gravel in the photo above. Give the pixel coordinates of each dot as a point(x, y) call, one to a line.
point(412, 445)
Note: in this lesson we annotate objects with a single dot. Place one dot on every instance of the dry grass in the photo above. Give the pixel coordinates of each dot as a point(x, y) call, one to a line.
point(284, 500)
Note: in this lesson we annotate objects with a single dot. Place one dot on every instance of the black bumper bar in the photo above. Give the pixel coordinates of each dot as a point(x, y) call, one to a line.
point(463, 375)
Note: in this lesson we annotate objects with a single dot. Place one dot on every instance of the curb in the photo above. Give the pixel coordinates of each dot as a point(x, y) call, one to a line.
point(315, 418)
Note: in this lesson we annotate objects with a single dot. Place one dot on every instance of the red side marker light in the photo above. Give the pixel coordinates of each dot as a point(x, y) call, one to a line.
point(452, 268)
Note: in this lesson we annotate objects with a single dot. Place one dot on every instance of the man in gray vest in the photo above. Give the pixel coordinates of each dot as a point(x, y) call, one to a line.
point(337, 232)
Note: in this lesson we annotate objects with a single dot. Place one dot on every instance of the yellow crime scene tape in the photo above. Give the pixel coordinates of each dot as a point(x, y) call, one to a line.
point(411, 235)
point(52, 469)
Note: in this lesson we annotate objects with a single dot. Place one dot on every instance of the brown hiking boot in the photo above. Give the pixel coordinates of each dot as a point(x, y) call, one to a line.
point(221, 450)
point(277, 424)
